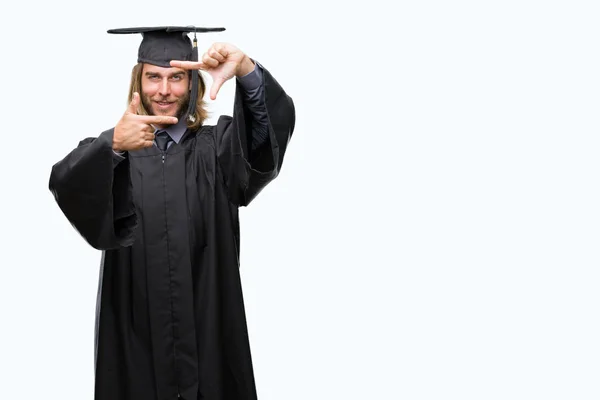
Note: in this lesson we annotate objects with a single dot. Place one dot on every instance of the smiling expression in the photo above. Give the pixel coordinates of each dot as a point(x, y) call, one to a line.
point(165, 91)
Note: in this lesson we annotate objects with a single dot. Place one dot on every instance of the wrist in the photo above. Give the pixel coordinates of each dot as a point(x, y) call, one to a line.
point(246, 66)
point(116, 148)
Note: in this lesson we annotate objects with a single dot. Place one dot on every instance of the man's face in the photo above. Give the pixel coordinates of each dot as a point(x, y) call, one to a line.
point(165, 91)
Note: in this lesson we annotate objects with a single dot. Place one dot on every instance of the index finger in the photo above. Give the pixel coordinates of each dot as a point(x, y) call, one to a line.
point(188, 64)
point(157, 119)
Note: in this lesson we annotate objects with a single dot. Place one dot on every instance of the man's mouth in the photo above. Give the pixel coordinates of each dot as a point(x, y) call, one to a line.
point(164, 104)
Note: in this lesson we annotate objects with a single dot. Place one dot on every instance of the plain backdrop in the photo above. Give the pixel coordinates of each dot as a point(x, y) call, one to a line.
point(433, 233)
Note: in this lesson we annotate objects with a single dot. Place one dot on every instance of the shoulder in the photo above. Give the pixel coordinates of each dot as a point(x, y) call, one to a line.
point(224, 121)
point(202, 137)
point(105, 136)
point(214, 132)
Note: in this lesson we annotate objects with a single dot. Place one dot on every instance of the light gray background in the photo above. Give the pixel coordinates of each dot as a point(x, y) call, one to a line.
point(433, 234)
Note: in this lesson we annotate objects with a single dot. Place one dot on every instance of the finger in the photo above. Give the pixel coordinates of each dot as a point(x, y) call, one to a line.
point(148, 143)
point(214, 89)
point(208, 60)
point(157, 119)
point(188, 65)
point(148, 136)
point(222, 48)
point(147, 128)
point(217, 55)
point(135, 102)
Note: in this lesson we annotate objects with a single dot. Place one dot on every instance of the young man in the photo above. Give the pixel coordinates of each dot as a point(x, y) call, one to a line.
point(159, 195)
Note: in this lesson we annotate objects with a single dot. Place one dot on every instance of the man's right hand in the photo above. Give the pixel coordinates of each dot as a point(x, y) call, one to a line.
point(133, 131)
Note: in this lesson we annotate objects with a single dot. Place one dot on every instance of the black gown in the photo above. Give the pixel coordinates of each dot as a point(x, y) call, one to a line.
point(170, 313)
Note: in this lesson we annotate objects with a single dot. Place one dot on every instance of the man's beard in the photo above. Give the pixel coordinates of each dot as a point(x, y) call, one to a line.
point(182, 105)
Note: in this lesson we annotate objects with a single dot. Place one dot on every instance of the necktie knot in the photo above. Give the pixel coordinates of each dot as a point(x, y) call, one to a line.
point(162, 139)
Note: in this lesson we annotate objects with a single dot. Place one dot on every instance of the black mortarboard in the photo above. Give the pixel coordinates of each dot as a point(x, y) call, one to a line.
point(162, 44)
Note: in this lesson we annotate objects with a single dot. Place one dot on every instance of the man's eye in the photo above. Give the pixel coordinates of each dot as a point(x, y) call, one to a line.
point(177, 78)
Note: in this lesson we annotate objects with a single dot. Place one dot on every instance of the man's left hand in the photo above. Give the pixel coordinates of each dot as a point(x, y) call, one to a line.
point(222, 62)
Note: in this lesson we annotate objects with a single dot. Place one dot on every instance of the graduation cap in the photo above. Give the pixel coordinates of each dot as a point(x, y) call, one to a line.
point(161, 44)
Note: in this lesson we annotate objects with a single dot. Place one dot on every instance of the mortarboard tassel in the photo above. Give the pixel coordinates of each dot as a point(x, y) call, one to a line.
point(194, 94)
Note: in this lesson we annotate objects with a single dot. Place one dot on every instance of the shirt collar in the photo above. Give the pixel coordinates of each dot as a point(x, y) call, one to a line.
point(175, 131)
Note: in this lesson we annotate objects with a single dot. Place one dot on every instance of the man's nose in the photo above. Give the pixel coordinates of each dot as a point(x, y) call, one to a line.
point(165, 89)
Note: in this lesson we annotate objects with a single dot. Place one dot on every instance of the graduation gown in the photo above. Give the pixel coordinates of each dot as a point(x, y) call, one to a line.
point(170, 315)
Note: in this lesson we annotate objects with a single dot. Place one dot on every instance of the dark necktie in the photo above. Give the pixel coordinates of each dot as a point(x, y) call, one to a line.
point(162, 140)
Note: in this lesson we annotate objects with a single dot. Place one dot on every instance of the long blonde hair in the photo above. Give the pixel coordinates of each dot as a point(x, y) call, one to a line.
point(200, 114)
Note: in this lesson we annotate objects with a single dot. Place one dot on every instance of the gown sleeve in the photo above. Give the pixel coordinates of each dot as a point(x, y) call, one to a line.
point(248, 170)
point(93, 189)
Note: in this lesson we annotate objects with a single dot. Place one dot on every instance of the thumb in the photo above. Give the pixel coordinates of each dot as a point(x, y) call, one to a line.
point(135, 102)
point(214, 89)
